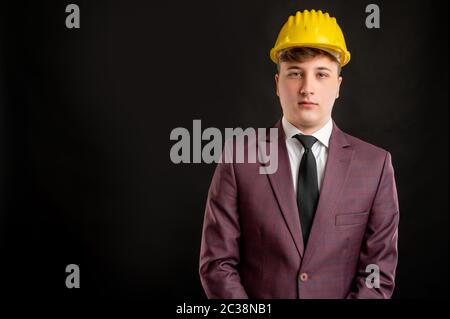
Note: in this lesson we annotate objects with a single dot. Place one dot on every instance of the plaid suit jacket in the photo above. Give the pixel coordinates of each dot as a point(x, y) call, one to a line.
point(252, 243)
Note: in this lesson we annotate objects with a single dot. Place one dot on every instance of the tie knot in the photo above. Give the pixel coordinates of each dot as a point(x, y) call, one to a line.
point(306, 140)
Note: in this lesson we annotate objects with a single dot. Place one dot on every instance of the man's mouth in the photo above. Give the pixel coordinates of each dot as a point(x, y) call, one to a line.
point(307, 104)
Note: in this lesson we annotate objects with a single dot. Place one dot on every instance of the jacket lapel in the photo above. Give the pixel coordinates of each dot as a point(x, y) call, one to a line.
point(283, 189)
point(340, 154)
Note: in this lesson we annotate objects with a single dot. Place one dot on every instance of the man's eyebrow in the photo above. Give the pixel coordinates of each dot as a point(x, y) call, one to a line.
point(320, 68)
point(323, 68)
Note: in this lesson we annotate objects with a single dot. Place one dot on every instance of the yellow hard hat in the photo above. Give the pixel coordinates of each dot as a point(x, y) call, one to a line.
point(312, 29)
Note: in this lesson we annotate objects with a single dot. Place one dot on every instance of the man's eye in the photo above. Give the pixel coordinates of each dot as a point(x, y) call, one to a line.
point(294, 74)
point(323, 75)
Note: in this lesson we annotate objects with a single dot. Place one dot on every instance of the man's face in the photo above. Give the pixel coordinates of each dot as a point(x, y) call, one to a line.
point(307, 91)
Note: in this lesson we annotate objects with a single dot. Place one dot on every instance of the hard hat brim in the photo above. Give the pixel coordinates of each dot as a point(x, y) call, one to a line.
point(344, 57)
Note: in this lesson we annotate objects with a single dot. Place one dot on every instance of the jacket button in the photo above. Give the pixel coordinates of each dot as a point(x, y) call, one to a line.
point(304, 276)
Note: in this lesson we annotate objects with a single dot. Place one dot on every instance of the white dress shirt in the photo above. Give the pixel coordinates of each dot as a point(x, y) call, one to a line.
point(295, 149)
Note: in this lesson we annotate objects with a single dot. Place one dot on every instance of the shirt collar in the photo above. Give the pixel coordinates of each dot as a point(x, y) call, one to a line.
point(323, 134)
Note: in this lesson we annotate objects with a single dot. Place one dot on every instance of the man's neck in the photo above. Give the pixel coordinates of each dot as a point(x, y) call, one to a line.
point(309, 130)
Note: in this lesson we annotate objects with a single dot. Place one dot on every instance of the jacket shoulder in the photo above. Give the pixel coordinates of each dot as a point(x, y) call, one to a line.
point(366, 149)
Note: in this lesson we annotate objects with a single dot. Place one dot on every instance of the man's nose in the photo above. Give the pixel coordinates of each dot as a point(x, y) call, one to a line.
point(306, 87)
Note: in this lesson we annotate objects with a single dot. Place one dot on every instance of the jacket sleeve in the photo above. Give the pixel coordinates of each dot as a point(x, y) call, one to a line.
point(219, 252)
point(379, 246)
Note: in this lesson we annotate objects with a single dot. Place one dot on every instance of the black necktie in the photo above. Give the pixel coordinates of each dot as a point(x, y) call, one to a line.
point(307, 186)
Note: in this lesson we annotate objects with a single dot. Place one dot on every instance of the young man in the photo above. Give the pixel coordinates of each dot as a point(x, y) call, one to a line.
point(324, 225)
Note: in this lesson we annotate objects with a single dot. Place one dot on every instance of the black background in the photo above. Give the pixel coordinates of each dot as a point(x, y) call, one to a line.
point(86, 115)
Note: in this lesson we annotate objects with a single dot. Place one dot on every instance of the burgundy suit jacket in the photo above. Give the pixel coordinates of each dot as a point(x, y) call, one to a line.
point(252, 243)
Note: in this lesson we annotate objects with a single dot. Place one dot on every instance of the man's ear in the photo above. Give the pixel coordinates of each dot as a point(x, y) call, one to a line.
point(276, 83)
point(339, 86)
